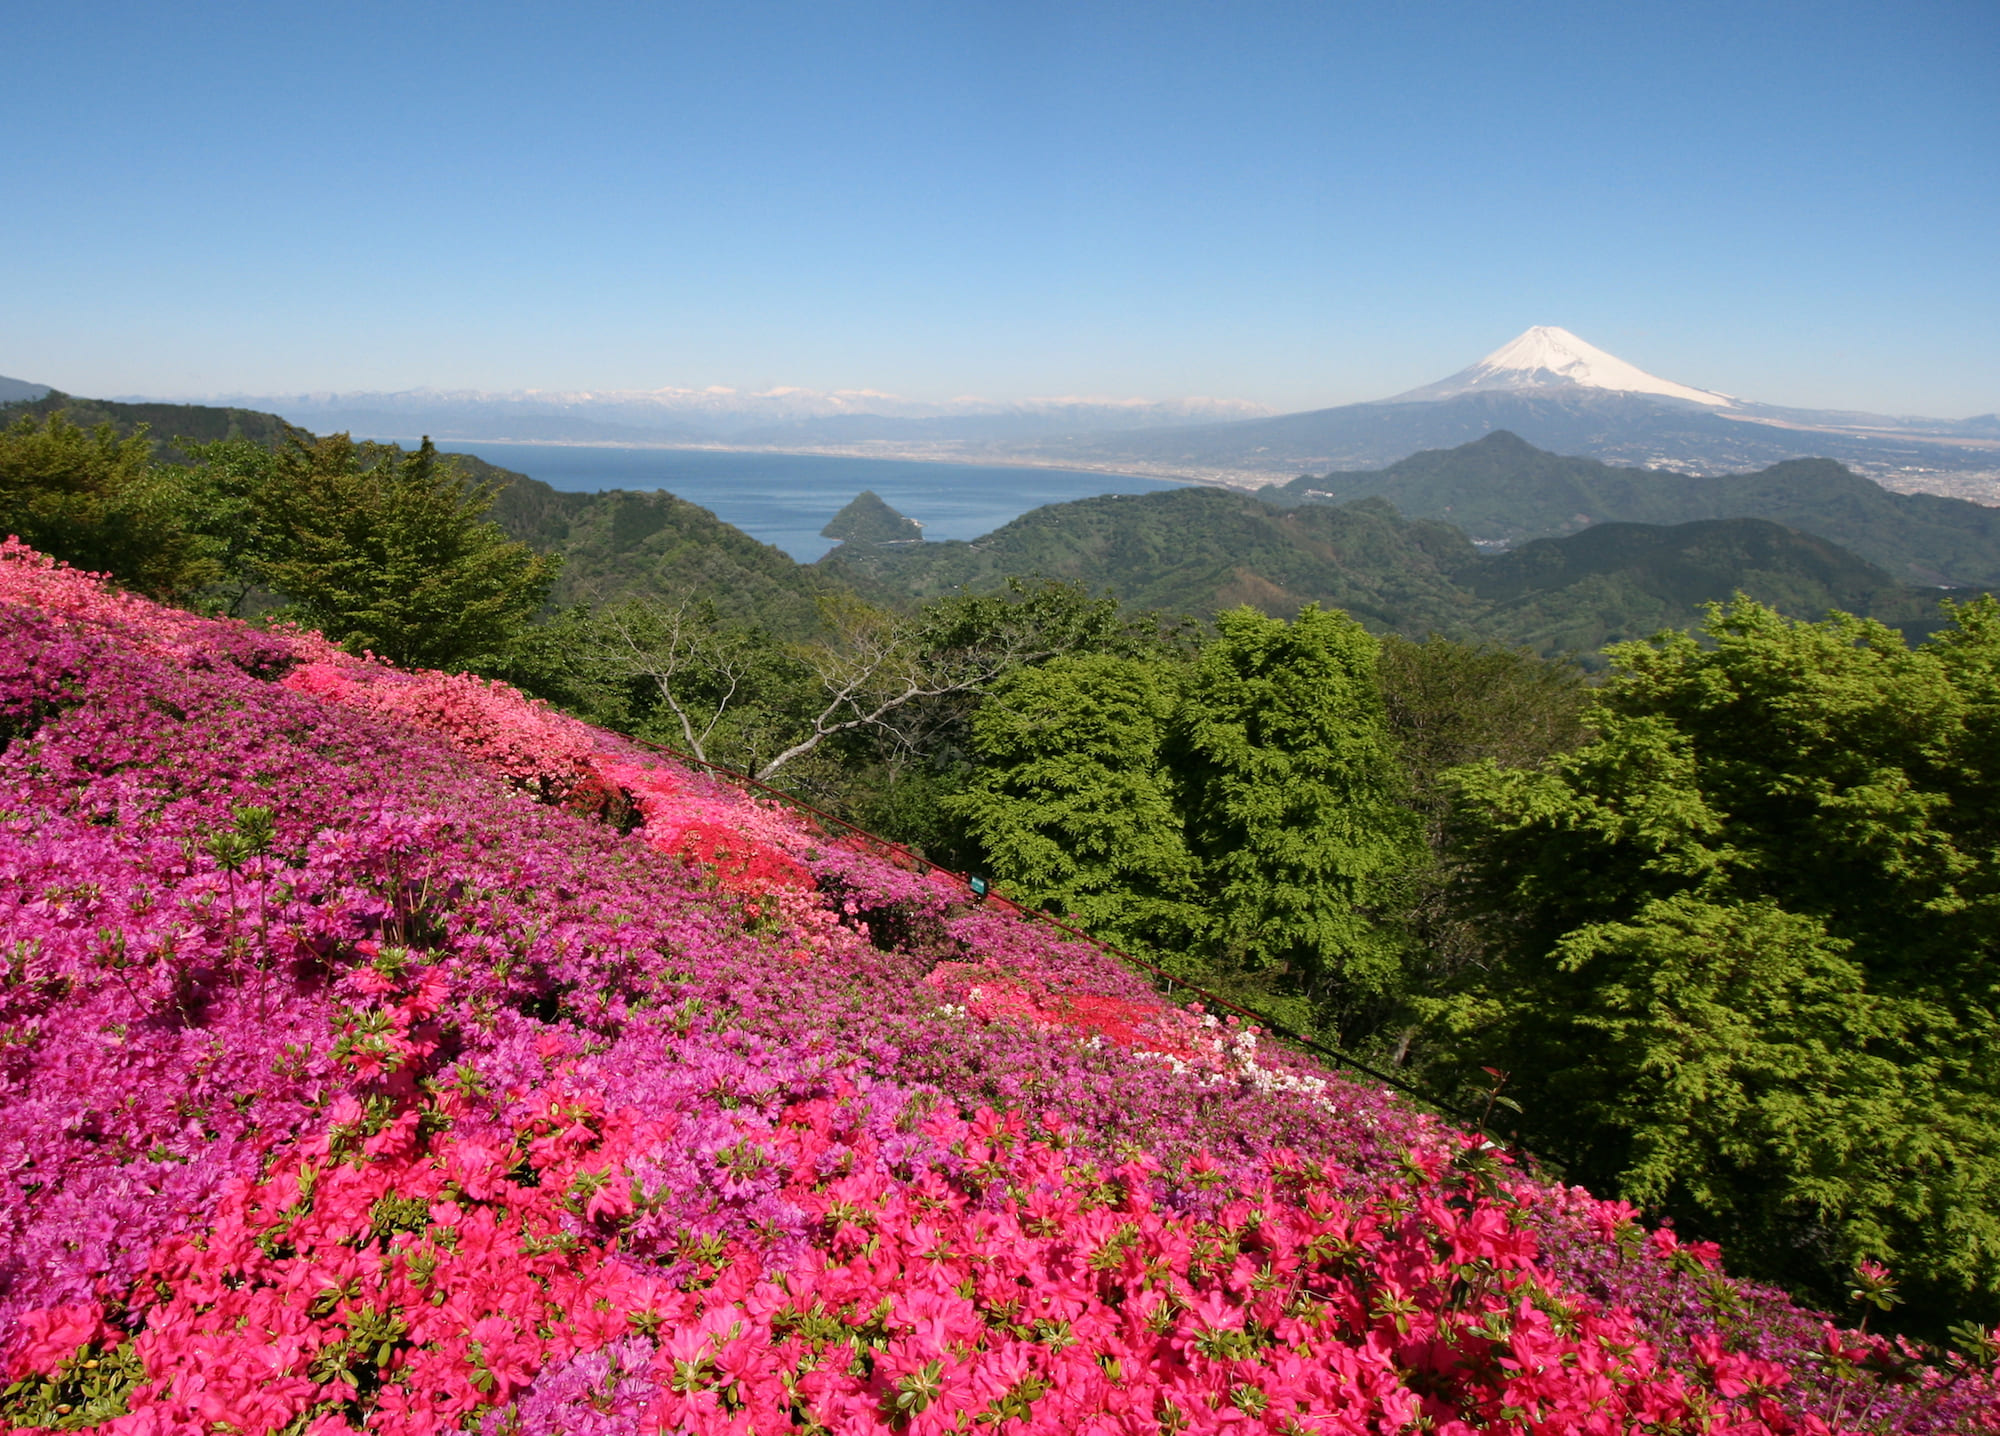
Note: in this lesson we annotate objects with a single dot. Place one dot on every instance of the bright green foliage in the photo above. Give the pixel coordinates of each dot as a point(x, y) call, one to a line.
point(1743, 964)
point(1294, 801)
point(98, 502)
point(388, 551)
point(1035, 619)
point(227, 488)
point(1240, 814)
point(1072, 805)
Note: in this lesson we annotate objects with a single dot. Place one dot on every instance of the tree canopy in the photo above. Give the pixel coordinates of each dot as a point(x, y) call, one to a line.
point(1240, 814)
point(1743, 964)
point(97, 501)
point(1294, 799)
point(381, 550)
point(1072, 804)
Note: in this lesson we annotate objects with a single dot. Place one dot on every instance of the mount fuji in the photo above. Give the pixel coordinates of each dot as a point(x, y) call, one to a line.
point(1567, 396)
point(1548, 360)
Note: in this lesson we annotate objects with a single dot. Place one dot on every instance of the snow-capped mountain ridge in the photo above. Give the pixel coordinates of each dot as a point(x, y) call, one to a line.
point(728, 408)
point(1547, 358)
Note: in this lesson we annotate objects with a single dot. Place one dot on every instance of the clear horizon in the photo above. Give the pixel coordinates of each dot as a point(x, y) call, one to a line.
point(1294, 205)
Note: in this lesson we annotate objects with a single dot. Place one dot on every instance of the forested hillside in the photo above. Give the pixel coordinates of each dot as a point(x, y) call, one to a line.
point(202, 423)
point(1710, 931)
point(1501, 489)
point(1195, 551)
point(1617, 581)
point(620, 545)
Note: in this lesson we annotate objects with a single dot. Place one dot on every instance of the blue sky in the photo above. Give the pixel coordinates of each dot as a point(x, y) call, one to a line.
point(1297, 204)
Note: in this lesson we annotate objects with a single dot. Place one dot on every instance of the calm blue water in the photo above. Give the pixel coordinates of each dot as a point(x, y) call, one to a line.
point(786, 499)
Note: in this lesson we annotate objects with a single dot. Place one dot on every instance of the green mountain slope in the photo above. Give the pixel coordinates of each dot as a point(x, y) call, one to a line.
point(202, 423)
point(1501, 489)
point(1634, 550)
point(614, 545)
point(1618, 581)
point(1198, 550)
point(621, 544)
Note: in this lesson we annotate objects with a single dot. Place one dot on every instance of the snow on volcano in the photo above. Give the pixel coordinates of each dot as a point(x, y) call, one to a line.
point(1547, 358)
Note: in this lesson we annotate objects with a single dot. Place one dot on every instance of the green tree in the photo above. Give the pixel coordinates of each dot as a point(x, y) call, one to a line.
point(1450, 704)
point(1741, 962)
point(228, 483)
point(899, 779)
point(1294, 807)
point(1072, 804)
point(98, 502)
point(383, 550)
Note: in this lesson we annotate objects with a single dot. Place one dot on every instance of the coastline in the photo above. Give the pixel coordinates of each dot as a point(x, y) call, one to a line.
point(1248, 480)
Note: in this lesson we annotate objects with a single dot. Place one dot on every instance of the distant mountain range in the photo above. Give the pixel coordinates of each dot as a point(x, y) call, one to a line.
point(1577, 552)
point(1547, 385)
point(1565, 395)
point(776, 418)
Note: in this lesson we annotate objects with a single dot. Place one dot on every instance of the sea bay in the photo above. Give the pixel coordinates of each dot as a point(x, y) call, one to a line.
point(786, 499)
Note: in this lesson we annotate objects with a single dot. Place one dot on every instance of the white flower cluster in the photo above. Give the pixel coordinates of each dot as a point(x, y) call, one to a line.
point(1235, 1060)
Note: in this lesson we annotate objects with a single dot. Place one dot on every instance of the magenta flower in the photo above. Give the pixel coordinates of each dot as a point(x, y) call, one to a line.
point(356, 1075)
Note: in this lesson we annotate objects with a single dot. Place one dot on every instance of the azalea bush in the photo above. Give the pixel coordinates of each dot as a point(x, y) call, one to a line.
point(381, 1050)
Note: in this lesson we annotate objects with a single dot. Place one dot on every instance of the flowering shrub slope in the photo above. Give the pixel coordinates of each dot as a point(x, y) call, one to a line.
point(385, 1051)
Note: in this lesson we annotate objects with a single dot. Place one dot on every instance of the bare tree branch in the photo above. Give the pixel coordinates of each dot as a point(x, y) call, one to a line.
point(877, 665)
point(675, 645)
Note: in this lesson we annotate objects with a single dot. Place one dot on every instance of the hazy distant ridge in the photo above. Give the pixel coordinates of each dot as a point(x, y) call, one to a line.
point(1548, 385)
point(776, 417)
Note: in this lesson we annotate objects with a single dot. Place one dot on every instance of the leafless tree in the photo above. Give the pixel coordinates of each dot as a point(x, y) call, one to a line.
point(674, 643)
point(868, 669)
point(876, 668)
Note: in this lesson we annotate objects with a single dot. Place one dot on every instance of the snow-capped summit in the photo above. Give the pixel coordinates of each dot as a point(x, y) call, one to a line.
point(1546, 358)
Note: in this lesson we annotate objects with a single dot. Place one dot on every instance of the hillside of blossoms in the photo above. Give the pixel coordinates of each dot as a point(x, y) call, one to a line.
point(381, 1050)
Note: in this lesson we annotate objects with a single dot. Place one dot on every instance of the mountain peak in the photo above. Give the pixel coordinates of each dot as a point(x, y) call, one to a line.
point(868, 520)
point(1547, 358)
point(16, 391)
